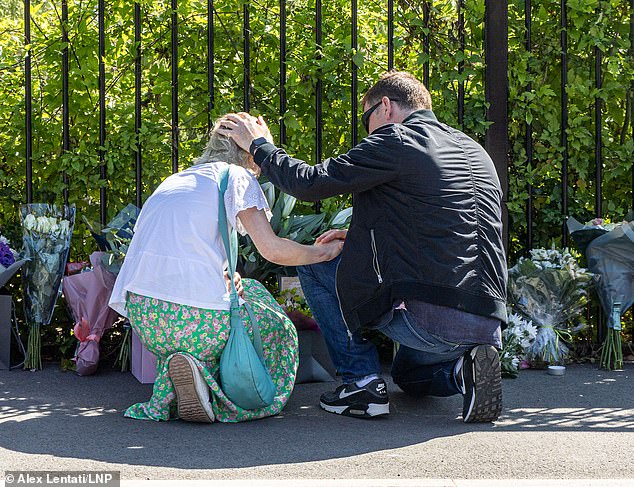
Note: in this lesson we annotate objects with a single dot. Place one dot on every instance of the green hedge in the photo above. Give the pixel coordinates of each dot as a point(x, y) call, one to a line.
point(600, 23)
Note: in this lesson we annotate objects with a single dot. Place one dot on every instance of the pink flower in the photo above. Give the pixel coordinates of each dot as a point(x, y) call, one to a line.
point(597, 222)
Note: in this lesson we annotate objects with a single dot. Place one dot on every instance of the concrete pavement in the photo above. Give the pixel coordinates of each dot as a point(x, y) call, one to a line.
point(579, 426)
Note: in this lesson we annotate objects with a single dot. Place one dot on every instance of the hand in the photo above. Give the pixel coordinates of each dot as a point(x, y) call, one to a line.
point(237, 281)
point(243, 129)
point(331, 249)
point(331, 235)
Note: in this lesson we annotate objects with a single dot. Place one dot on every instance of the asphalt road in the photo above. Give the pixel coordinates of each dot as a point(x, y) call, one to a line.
point(580, 425)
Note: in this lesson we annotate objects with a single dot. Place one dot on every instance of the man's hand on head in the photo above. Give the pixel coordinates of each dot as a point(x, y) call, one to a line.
point(243, 129)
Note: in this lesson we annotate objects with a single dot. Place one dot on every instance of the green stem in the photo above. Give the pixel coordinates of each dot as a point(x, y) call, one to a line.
point(124, 353)
point(33, 359)
point(618, 357)
point(612, 351)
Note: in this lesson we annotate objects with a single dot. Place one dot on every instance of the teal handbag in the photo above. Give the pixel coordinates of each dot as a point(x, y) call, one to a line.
point(244, 378)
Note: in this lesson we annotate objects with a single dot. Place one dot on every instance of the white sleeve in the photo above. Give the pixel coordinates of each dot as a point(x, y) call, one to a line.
point(243, 191)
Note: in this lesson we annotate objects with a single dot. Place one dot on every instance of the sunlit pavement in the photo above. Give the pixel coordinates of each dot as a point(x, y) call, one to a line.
point(572, 430)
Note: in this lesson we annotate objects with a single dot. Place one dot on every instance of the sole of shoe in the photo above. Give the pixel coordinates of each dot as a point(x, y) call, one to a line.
point(485, 403)
point(189, 389)
point(358, 410)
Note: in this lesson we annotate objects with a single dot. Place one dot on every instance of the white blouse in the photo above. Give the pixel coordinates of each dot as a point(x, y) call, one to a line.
point(177, 254)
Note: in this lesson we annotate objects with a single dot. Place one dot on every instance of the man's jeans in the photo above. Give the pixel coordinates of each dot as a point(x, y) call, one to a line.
point(424, 363)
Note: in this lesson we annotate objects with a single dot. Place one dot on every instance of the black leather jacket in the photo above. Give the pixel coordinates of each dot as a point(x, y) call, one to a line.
point(427, 220)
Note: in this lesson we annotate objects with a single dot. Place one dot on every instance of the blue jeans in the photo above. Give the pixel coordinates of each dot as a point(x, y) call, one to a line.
point(354, 359)
point(424, 363)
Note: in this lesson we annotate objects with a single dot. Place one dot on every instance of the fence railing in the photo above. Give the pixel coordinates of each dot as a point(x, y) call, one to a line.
point(493, 72)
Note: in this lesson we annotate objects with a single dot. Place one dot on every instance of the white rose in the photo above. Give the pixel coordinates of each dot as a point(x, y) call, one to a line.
point(42, 225)
point(64, 227)
point(52, 225)
point(29, 221)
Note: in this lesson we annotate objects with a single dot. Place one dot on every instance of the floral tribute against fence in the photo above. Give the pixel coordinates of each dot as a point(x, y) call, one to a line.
point(609, 249)
point(8, 263)
point(551, 290)
point(47, 230)
point(517, 339)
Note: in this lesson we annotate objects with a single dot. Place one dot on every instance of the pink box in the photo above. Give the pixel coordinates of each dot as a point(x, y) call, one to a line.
point(143, 362)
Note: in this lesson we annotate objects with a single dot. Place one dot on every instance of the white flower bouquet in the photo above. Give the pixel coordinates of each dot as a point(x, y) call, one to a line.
point(47, 230)
point(550, 289)
point(517, 338)
point(609, 248)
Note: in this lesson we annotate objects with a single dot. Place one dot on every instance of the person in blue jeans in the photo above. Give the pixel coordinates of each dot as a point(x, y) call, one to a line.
point(423, 260)
point(425, 364)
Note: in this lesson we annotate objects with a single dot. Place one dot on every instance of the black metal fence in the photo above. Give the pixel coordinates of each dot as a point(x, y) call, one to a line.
point(496, 87)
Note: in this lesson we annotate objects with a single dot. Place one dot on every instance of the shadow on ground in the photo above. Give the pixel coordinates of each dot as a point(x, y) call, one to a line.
point(61, 414)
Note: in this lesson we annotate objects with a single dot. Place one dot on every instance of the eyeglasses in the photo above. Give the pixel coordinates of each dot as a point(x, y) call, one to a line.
point(365, 118)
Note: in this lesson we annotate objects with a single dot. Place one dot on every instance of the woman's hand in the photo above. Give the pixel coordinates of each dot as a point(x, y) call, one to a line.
point(331, 235)
point(237, 281)
point(331, 249)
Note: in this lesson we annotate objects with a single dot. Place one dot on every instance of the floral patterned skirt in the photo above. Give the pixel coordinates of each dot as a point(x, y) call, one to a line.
point(166, 328)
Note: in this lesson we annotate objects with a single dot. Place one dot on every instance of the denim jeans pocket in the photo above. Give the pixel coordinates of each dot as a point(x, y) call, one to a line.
point(426, 339)
point(451, 345)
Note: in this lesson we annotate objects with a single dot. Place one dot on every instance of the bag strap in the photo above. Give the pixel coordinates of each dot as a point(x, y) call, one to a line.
point(230, 241)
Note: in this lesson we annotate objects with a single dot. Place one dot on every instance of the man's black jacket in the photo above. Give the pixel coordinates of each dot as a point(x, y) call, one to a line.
point(427, 219)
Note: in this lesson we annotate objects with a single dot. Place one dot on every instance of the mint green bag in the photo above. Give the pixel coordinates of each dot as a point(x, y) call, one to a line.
point(244, 378)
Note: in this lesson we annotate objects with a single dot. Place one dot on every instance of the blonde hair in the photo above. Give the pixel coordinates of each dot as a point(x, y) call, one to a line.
point(223, 149)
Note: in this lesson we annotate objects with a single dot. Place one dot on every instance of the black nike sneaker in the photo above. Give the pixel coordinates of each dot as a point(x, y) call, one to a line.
point(360, 402)
point(482, 385)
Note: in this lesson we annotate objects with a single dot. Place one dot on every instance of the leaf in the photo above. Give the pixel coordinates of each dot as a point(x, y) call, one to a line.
point(288, 203)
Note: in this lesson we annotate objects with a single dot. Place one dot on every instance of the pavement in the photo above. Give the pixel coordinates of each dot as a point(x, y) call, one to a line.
point(572, 430)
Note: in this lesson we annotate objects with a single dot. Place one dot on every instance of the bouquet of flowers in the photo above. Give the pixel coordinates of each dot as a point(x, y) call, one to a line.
point(87, 294)
point(517, 339)
point(7, 254)
point(47, 230)
point(550, 289)
point(114, 239)
point(609, 248)
point(8, 264)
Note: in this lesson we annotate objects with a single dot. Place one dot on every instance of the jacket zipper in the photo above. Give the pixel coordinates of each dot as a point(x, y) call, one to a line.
point(375, 260)
point(341, 310)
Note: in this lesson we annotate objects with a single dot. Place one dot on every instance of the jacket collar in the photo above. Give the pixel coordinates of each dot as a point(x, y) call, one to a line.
point(423, 115)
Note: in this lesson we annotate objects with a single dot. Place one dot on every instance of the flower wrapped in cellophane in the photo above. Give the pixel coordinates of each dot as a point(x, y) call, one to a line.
point(47, 230)
point(609, 249)
point(551, 290)
point(8, 263)
point(517, 338)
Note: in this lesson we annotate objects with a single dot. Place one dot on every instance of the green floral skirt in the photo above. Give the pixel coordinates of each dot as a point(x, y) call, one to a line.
point(166, 328)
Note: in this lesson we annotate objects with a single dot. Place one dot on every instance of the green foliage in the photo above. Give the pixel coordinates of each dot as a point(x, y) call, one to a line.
point(302, 228)
point(599, 24)
point(602, 24)
point(293, 300)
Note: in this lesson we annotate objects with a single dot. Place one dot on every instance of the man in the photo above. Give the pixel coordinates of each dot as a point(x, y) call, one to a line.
point(423, 260)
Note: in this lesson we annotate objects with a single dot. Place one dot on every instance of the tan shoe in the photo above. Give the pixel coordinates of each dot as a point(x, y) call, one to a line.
point(192, 391)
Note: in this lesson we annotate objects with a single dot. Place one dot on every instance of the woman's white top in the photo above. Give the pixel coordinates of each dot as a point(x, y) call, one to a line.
point(177, 253)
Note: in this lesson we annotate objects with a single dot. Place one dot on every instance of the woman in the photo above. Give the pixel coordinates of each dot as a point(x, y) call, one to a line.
point(173, 289)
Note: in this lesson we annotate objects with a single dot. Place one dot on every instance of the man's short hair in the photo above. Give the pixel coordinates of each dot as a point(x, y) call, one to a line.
point(401, 86)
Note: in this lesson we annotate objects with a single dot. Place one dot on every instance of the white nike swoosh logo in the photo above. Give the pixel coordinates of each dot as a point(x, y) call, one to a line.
point(344, 394)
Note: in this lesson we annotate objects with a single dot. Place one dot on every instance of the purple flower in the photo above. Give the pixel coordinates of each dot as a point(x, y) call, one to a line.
point(6, 256)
